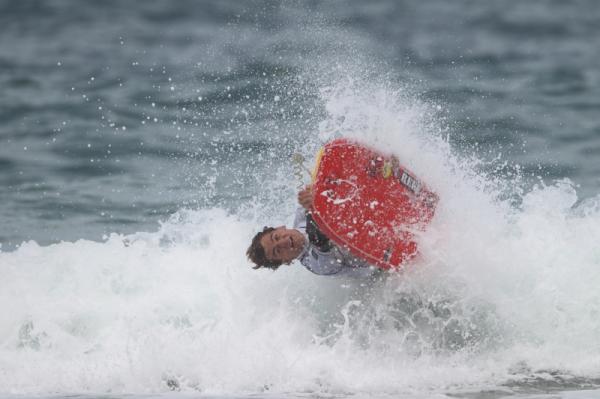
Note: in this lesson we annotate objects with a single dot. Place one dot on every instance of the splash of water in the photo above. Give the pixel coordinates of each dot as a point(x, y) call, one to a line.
point(504, 290)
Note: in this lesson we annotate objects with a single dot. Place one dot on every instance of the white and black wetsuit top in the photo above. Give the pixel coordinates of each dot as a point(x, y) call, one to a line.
point(322, 257)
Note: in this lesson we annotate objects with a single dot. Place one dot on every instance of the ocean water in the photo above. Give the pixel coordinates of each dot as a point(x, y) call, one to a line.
point(142, 144)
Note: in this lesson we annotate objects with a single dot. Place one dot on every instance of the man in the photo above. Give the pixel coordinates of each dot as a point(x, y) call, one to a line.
point(275, 246)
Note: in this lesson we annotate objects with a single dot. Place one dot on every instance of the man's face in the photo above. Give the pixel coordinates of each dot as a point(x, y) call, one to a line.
point(282, 244)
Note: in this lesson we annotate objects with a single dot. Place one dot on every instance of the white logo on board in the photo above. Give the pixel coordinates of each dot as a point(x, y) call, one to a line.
point(410, 182)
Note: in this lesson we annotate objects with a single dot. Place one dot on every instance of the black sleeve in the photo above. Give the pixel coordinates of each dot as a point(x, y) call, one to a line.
point(316, 236)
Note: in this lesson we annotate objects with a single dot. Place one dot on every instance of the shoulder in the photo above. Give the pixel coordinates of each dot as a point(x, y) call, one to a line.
point(319, 262)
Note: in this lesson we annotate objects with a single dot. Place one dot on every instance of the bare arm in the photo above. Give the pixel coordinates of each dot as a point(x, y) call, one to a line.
point(305, 197)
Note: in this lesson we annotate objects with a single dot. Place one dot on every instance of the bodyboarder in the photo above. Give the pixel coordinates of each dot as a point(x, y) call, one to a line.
point(275, 246)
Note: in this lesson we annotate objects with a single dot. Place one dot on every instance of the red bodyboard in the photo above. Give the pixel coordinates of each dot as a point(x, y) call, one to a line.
point(369, 204)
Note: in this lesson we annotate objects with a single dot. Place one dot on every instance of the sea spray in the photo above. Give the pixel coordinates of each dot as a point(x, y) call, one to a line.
point(503, 290)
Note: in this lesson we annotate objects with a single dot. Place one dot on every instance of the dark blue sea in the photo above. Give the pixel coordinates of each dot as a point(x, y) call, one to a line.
point(143, 144)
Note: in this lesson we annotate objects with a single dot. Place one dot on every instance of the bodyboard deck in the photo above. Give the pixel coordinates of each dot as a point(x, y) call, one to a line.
point(369, 204)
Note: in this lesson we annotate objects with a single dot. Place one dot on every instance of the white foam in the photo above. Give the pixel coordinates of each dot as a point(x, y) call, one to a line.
point(501, 292)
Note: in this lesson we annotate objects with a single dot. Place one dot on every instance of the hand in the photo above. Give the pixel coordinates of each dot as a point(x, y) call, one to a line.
point(305, 197)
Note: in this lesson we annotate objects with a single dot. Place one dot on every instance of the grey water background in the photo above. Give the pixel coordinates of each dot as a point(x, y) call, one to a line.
point(114, 115)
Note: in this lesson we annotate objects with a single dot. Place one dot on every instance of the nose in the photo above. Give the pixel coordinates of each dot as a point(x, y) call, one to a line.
point(283, 241)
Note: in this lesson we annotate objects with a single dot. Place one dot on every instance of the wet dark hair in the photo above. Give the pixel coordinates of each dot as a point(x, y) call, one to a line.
point(256, 252)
